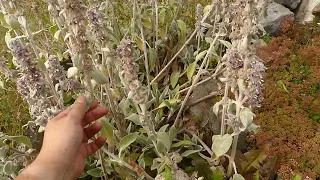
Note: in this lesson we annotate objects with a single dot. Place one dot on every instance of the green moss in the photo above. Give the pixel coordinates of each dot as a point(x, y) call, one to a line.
point(315, 89)
point(267, 38)
point(290, 121)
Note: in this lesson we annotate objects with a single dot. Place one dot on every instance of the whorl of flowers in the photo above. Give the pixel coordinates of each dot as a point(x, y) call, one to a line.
point(245, 70)
point(199, 16)
point(129, 69)
point(74, 14)
point(32, 85)
point(56, 72)
point(59, 76)
point(95, 21)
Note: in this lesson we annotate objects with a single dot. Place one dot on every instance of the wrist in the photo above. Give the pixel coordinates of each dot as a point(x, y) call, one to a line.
point(39, 170)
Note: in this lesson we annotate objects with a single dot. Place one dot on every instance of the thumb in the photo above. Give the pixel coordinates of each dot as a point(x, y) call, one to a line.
point(78, 109)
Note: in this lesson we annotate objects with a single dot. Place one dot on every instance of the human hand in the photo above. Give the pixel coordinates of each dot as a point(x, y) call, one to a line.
point(65, 145)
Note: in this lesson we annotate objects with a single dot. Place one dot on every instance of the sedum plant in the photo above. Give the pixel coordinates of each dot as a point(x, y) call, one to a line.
point(143, 60)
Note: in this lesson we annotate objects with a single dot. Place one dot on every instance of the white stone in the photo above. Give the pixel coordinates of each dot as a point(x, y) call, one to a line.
point(276, 14)
point(304, 12)
point(291, 4)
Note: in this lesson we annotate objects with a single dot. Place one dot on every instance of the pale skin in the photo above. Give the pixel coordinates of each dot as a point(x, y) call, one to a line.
point(65, 145)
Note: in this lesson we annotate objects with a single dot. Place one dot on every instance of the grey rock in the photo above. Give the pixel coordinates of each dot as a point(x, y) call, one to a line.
point(203, 110)
point(291, 4)
point(304, 12)
point(277, 13)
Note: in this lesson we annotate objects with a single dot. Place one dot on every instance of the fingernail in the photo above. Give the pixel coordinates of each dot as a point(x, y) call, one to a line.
point(81, 99)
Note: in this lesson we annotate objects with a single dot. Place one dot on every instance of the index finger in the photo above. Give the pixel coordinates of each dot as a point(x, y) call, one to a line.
point(78, 109)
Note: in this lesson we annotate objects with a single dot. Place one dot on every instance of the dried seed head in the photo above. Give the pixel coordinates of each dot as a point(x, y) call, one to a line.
point(31, 84)
point(130, 69)
point(56, 72)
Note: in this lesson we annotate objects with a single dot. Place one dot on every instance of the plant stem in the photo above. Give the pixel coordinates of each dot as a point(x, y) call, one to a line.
point(234, 145)
point(100, 151)
point(183, 46)
point(117, 159)
point(146, 61)
point(196, 79)
point(217, 72)
point(224, 108)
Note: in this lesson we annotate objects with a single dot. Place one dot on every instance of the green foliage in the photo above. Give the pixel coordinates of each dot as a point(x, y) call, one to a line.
point(254, 159)
point(267, 38)
point(138, 58)
point(13, 110)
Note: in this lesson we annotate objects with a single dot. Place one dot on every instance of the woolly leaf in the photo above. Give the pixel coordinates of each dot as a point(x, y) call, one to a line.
point(127, 141)
point(254, 159)
point(191, 69)
point(163, 141)
point(216, 108)
point(183, 143)
point(189, 152)
point(162, 165)
point(146, 22)
point(140, 44)
point(246, 117)
point(20, 139)
point(99, 77)
point(172, 133)
point(201, 55)
point(57, 34)
point(3, 152)
point(107, 130)
point(3, 21)
point(96, 172)
point(221, 144)
point(174, 78)
point(183, 30)
point(135, 118)
point(8, 168)
point(53, 29)
point(12, 21)
point(253, 128)
point(226, 43)
point(162, 16)
point(168, 103)
point(238, 177)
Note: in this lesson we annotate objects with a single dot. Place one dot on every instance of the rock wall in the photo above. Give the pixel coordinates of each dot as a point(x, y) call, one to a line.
point(301, 11)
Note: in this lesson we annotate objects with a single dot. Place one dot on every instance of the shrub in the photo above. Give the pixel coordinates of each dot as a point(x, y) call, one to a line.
point(143, 59)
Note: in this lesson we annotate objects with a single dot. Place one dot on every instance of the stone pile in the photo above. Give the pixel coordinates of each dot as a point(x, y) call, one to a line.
point(301, 11)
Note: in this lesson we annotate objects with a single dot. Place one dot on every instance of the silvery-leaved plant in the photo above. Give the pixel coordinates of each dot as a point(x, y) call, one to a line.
point(143, 59)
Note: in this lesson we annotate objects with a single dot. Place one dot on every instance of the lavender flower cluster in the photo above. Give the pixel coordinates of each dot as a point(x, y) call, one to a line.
point(129, 70)
point(252, 74)
point(95, 24)
point(31, 85)
point(199, 16)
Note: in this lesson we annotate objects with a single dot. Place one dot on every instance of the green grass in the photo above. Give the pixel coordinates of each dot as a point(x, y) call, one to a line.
point(13, 110)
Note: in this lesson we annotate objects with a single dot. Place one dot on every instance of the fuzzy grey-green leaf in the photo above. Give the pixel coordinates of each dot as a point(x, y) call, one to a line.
point(127, 141)
point(237, 177)
point(20, 139)
point(221, 144)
